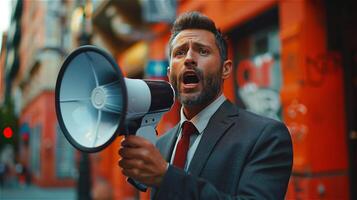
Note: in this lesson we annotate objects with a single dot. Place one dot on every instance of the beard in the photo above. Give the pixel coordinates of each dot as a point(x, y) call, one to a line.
point(211, 87)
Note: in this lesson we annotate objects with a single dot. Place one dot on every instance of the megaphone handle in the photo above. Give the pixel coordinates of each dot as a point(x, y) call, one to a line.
point(137, 184)
point(132, 127)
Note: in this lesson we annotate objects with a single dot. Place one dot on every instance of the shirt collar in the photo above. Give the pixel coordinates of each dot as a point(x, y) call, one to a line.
point(201, 119)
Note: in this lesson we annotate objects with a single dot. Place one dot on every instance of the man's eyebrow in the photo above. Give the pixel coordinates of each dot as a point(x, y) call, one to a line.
point(179, 46)
point(199, 44)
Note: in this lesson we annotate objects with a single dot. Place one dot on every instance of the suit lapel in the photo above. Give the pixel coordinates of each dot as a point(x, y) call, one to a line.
point(169, 142)
point(217, 126)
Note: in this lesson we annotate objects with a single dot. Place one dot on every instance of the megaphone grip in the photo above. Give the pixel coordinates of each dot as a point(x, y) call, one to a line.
point(137, 184)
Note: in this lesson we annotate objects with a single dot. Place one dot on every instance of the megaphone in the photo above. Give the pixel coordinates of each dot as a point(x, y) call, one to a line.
point(95, 103)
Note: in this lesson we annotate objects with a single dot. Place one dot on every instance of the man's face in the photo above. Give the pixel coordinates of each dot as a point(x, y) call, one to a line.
point(195, 67)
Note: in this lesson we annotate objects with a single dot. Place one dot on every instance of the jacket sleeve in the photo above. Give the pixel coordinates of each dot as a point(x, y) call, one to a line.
point(265, 175)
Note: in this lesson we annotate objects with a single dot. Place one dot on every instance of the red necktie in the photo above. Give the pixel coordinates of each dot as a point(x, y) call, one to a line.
point(182, 146)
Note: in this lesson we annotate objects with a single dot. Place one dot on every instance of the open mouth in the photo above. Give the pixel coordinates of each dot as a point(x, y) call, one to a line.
point(190, 78)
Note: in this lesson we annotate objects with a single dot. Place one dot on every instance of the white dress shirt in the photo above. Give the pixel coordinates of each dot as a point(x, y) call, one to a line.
point(200, 121)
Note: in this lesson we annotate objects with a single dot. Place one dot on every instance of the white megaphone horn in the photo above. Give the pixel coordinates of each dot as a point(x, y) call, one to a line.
point(95, 103)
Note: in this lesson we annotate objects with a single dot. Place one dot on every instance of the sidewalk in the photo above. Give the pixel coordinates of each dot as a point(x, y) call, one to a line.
point(36, 193)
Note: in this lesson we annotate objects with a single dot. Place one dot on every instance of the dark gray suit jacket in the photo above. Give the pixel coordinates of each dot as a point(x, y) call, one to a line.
point(240, 156)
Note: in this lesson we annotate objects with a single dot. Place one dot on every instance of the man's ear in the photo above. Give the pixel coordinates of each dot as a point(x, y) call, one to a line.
point(227, 69)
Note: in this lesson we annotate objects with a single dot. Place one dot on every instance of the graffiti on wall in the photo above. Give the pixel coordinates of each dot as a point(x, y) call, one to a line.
point(318, 67)
point(258, 82)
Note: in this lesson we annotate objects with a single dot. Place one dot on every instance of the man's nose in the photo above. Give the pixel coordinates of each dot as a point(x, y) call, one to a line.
point(190, 60)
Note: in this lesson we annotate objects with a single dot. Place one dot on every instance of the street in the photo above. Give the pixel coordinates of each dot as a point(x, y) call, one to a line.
point(36, 193)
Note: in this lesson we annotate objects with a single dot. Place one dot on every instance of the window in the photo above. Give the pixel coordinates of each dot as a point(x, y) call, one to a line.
point(35, 146)
point(65, 156)
point(257, 70)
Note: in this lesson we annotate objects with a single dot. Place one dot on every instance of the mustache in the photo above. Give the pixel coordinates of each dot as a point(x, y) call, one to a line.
point(197, 71)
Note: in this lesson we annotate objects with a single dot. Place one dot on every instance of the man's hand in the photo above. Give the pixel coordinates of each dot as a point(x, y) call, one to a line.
point(142, 161)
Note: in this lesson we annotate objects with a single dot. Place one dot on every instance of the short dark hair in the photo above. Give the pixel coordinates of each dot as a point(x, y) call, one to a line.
point(196, 20)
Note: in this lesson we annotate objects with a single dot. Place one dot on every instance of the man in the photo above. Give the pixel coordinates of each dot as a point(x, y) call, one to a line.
point(232, 154)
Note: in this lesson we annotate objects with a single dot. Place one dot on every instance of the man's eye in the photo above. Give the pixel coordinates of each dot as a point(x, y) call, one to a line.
point(204, 52)
point(179, 53)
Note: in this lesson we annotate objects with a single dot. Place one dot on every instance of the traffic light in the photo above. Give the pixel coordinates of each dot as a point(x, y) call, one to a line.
point(7, 135)
point(8, 132)
point(8, 125)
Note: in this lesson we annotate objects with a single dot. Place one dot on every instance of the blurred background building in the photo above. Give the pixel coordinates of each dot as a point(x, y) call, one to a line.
point(294, 61)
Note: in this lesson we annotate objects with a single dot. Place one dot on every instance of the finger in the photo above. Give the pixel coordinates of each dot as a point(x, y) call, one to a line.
point(131, 164)
point(127, 152)
point(126, 142)
point(134, 153)
point(137, 175)
point(135, 141)
point(133, 173)
point(143, 171)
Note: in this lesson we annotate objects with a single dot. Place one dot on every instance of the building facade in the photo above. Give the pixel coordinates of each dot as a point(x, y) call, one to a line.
point(290, 63)
point(45, 42)
point(294, 61)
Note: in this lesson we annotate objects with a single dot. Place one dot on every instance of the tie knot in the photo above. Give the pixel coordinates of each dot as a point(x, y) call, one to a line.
point(188, 129)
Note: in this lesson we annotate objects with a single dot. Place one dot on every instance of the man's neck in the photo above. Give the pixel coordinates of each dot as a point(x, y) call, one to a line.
point(191, 111)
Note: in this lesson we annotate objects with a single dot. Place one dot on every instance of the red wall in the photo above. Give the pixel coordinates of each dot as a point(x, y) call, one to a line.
point(41, 111)
point(312, 101)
